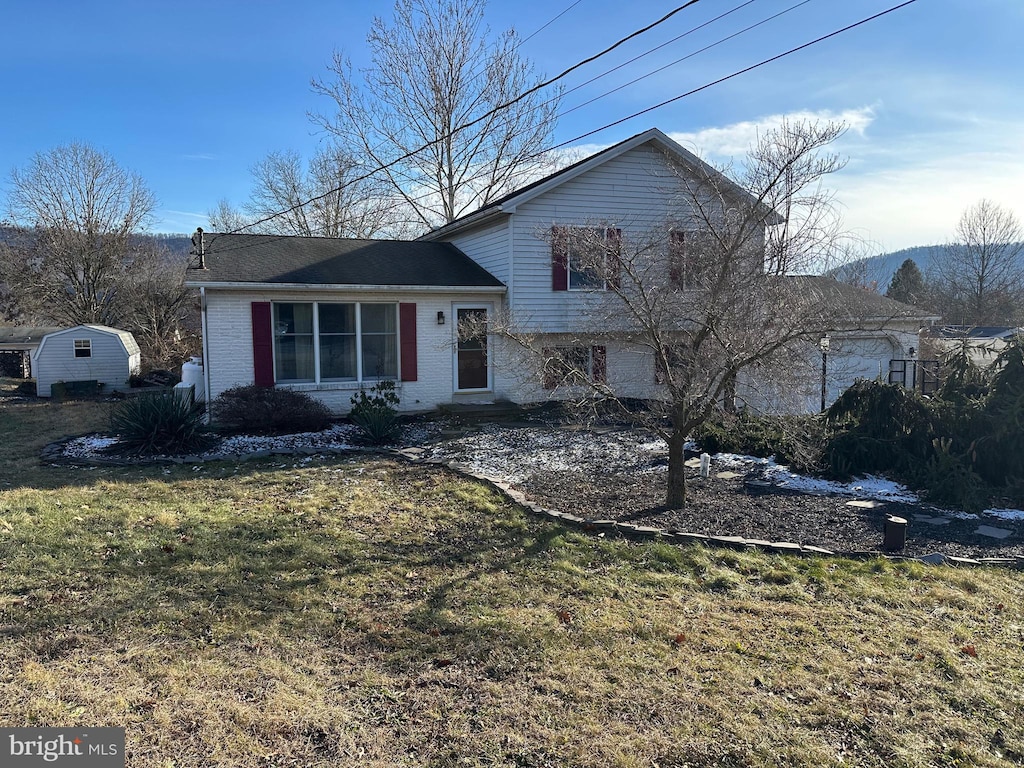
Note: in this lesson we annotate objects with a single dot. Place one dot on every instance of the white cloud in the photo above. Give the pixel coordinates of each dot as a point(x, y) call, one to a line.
point(904, 185)
point(736, 139)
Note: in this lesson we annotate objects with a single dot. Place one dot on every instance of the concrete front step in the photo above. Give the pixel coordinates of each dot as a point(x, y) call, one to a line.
point(502, 409)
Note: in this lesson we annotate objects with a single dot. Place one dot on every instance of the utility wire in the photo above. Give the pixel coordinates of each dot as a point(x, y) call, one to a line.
point(483, 117)
point(613, 123)
point(684, 58)
point(734, 74)
point(552, 21)
point(675, 39)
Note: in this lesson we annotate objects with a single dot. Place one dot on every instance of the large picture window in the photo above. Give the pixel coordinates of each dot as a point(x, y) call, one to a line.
point(327, 341)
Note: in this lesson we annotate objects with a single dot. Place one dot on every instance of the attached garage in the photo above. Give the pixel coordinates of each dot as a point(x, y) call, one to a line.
point(86, 353)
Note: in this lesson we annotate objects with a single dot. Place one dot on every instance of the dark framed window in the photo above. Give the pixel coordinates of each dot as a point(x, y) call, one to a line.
point(690, 255)
point(574, 366)
point(335, 341)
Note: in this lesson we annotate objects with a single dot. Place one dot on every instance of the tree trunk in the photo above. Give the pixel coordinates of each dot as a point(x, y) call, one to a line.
point(675, 498)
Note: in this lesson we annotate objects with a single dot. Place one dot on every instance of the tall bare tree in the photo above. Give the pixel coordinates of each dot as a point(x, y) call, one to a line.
point(436, 68)
point(157, 308)
point(82, 210)
point(342, 204)
point(980, 275)
point(225, 217)
point(715, 295)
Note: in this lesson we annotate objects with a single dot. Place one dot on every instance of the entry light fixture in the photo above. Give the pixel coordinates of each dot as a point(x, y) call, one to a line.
point(440, 317)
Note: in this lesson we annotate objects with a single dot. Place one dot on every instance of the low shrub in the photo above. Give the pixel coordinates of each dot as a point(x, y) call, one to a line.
point(268, 411)
point(793, 440)
point(160, 423)
point(375, 412)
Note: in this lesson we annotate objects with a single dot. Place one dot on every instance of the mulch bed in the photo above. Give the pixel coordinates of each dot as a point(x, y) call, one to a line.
point(720, 507)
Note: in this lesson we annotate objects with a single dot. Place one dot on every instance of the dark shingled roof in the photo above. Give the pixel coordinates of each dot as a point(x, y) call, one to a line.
point(276, 259)
point(978, 331)
point(851, 302)
point(24, 334)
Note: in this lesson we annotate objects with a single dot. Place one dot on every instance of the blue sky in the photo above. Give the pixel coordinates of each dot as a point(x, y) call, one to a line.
point(191, 94)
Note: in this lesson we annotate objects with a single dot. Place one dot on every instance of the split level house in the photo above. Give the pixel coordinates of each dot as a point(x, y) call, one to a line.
point(328, 316)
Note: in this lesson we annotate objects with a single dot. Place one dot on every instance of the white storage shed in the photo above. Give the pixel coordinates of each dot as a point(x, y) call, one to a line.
point(85, 353)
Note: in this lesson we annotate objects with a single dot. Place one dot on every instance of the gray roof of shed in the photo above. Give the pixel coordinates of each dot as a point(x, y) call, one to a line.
point(23, 334)
point(288, 260)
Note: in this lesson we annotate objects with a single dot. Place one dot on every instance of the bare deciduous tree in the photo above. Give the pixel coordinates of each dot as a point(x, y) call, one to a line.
point(82, 210)
point(980, 275)
point(226, 218)
point(77, 257)
point(160, 311)
point(712, 303)
point(340, 204)
point(435, 69)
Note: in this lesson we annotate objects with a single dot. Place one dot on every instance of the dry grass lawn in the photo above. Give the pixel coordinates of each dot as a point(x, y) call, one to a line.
point(366, 612)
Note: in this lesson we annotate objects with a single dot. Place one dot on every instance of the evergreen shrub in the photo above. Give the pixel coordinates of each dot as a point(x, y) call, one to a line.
point(254, 410)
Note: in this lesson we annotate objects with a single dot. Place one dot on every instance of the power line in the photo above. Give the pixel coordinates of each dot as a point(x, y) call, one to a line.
point(734, 74)
point(548, 24)
point(684, 58)
point(610, 124)
point(483, 117)
point(675, 39)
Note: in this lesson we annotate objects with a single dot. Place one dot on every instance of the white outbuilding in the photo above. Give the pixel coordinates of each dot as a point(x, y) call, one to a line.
point(86, 353)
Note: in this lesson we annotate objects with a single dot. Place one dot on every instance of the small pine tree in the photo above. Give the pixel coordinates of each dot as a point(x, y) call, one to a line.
point(907, 284)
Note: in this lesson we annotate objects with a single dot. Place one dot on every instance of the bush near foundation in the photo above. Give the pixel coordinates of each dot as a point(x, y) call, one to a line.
point(256, 410)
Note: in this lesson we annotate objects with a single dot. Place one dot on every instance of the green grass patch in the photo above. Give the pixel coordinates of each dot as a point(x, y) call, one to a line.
point(366, 612)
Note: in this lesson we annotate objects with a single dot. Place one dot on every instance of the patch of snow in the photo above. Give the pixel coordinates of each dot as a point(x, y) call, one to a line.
point(88, 445)
point(1005, 514)
point(514, 454)
point(870, 487)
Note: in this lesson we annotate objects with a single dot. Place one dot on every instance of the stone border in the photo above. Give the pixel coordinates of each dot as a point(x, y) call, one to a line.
point(674, 536)
point(53, 454)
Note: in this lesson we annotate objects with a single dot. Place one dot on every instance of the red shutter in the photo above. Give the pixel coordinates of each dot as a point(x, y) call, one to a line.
point(599, 361)
point(613, 263)
point(407, 334)
point(262, 345)
point(559, 259)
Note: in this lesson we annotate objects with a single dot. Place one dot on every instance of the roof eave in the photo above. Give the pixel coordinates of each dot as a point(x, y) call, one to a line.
point(342, 287)
point(475, 219)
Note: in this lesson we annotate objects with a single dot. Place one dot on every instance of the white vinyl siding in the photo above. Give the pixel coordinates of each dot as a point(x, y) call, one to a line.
point(488, 246)
point(636, 192)
point(113, 358)
point(229, 344)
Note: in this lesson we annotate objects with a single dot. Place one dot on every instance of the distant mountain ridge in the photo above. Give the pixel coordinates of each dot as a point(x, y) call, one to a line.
point(880, 269)
point(172, 241)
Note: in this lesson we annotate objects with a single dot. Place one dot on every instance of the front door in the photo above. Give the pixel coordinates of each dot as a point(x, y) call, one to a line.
point(471, 351)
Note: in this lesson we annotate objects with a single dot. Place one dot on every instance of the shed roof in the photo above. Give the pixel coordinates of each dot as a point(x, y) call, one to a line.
point(127, 341)
point(289, 260)
point(24, 336)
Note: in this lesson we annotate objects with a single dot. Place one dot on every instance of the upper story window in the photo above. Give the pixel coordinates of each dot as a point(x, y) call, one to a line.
point(83, 347)
point(690, 255)
point(585, 258)
point(327, 341)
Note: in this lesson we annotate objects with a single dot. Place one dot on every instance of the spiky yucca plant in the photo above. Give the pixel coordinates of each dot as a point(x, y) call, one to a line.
point(164, 423)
